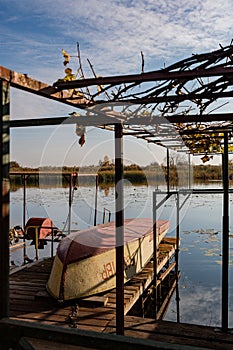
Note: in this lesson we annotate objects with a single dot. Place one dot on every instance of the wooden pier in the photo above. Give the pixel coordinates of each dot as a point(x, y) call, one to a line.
point(30, 302)
point(28, 284)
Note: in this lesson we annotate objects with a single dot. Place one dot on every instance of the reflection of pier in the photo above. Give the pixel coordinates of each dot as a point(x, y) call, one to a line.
point(72, 179)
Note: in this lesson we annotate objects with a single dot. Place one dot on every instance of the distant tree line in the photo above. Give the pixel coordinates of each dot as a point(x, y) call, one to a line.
point(133, 172)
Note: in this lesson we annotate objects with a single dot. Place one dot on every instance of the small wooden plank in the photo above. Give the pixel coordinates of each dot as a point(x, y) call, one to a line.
point(43, 317)
point(15, 283)
point(42, 294)
point(165, 259)
point(22, 297)
point(96, 315)
point(163, 275)
point(25, 289)
point(92, 322)
point(94, 301)
point(132, 287)
point(163, 308)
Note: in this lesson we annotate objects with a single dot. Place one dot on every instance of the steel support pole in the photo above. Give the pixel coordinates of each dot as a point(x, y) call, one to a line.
point(189, 171)
point(96, 199)
point(155, 250)
point(225, 236)
point(119, 208)
point(177, 256)
point(4, 195)
point(24, 177)
point(168, 171)
point(70, 203)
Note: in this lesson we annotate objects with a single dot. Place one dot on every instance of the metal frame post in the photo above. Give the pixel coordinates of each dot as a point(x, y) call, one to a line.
point(119, 207)
point(24, 178)
point(177, 255)
point(225, 236)
point(155, 250)
point(189, 171)
point(96, 198)
point(168, 171)
point(4, 193)
point(70, 203)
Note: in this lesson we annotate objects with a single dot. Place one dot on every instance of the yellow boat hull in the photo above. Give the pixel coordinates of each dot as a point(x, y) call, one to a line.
point(78, 278)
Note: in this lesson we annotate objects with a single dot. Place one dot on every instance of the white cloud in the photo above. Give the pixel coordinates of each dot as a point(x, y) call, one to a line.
point(198, 305)
point(112, 33)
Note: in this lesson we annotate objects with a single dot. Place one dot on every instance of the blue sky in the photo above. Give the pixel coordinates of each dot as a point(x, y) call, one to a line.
point(111, 34)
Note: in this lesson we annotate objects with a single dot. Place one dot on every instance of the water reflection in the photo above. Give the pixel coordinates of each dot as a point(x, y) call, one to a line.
point(199, 304)
point(200, 233)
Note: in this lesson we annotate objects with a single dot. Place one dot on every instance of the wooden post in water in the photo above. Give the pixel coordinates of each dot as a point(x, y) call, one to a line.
point(4, 195)
point(225, 236)
point(119, 208)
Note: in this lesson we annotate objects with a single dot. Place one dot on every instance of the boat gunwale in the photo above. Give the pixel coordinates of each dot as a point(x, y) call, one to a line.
point(92, 250)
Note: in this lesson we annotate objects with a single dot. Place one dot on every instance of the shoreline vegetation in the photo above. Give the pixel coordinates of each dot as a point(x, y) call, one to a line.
point(151, 174)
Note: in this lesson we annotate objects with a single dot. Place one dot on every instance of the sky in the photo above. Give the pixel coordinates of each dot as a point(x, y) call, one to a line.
point(111, 34)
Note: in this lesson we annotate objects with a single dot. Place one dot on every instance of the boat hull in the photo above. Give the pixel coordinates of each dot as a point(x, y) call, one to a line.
point(77, 278)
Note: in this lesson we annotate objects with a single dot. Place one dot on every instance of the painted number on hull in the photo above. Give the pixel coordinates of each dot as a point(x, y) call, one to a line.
point(109, 268)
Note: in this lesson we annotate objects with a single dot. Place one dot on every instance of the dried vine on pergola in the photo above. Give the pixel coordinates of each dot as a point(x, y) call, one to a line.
point(178, 89)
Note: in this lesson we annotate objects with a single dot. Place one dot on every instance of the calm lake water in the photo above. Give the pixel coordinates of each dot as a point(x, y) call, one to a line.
point(200, 233)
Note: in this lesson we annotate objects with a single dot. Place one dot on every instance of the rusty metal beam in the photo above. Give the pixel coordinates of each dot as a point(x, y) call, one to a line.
point(99, 120)
point(145, 77)
point(26, 83)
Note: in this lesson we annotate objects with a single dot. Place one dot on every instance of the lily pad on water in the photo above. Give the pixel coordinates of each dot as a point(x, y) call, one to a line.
point(219, 262)
point(211, 254)
point(207, 231)
point(184, 249)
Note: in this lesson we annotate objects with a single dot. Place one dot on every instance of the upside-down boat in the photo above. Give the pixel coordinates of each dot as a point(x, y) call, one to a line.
point(84, 264)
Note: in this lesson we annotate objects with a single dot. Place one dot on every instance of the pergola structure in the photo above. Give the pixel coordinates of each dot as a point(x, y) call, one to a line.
point(180, 107)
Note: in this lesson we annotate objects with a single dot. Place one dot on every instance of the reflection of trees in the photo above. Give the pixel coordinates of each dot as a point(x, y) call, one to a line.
point(153, 172)
point(106, 188)
point(106, 191)
point(207, 172)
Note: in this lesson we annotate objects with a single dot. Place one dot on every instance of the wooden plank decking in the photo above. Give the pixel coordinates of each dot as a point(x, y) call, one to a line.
point(29, 301)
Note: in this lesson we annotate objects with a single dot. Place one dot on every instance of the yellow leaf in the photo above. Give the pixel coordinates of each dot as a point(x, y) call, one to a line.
point(66, 57)
point(69, 75)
